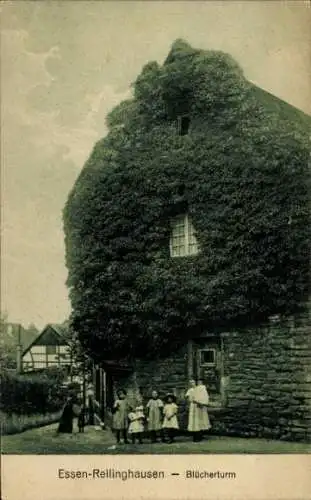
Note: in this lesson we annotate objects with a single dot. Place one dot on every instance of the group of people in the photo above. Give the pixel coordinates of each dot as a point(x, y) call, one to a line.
point(160, 417)
point(75, 409)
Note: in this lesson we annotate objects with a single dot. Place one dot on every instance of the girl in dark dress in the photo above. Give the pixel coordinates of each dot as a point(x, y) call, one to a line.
point(81, 420)
point(120, 416)
point(66, 419)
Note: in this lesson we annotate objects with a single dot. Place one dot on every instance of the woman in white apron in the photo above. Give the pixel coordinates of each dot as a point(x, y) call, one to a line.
point(198, 419)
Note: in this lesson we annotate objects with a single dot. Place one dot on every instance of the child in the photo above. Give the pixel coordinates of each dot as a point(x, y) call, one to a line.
point(120, 416)
point(170, 422)
point(136, 427)
point(155, 416)
point(81, 420)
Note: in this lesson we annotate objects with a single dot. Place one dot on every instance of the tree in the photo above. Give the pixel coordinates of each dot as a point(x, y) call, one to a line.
point(7, 345)
point(241, 173)
point(32, 330)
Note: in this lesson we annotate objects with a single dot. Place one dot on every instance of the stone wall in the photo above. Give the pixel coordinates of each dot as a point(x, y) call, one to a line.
point(268, 381)
point(165, 375)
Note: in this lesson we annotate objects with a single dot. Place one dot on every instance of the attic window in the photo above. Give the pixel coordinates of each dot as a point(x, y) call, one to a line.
point(183, 241)
point(182, 124)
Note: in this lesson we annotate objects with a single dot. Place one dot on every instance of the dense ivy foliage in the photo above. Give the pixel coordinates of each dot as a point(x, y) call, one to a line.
point(241, 172)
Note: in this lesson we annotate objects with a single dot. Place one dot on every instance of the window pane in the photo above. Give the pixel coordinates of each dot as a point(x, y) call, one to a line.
point(178, 251)
point(178, 236)
point(178, 229)
point(178, 240)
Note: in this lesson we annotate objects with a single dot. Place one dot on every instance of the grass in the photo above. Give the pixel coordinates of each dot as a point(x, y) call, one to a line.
point(45, 441)
point(11, 424)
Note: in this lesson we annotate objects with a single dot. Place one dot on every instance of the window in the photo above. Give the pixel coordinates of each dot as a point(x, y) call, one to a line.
point(183, 240)
point(207, 357)
point(183, 123)
point(51, 349)
point(209, 367)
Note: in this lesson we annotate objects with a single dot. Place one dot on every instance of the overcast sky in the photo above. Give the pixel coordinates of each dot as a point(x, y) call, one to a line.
point(64, 65)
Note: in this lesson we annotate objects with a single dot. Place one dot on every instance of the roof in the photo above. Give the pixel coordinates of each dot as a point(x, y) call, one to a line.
point(62, 330)
point(182, 50)
point(283, 109)
point(50, 335)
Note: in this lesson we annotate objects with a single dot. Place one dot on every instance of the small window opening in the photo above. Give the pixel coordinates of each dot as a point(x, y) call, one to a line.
point(183, 123)
point(207, 357)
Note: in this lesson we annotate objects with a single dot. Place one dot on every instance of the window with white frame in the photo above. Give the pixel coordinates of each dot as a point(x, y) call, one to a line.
point(183, 240)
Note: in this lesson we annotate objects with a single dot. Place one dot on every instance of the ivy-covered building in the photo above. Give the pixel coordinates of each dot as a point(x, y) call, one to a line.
point(188, 245)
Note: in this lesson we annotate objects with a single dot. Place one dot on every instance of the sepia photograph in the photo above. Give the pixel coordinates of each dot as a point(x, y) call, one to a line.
point(155, 284)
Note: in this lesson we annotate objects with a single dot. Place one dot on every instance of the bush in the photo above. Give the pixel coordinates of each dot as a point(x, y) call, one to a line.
point(31, 394)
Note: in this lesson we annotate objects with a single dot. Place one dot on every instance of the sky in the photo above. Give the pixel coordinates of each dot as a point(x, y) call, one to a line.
point(64, 66)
